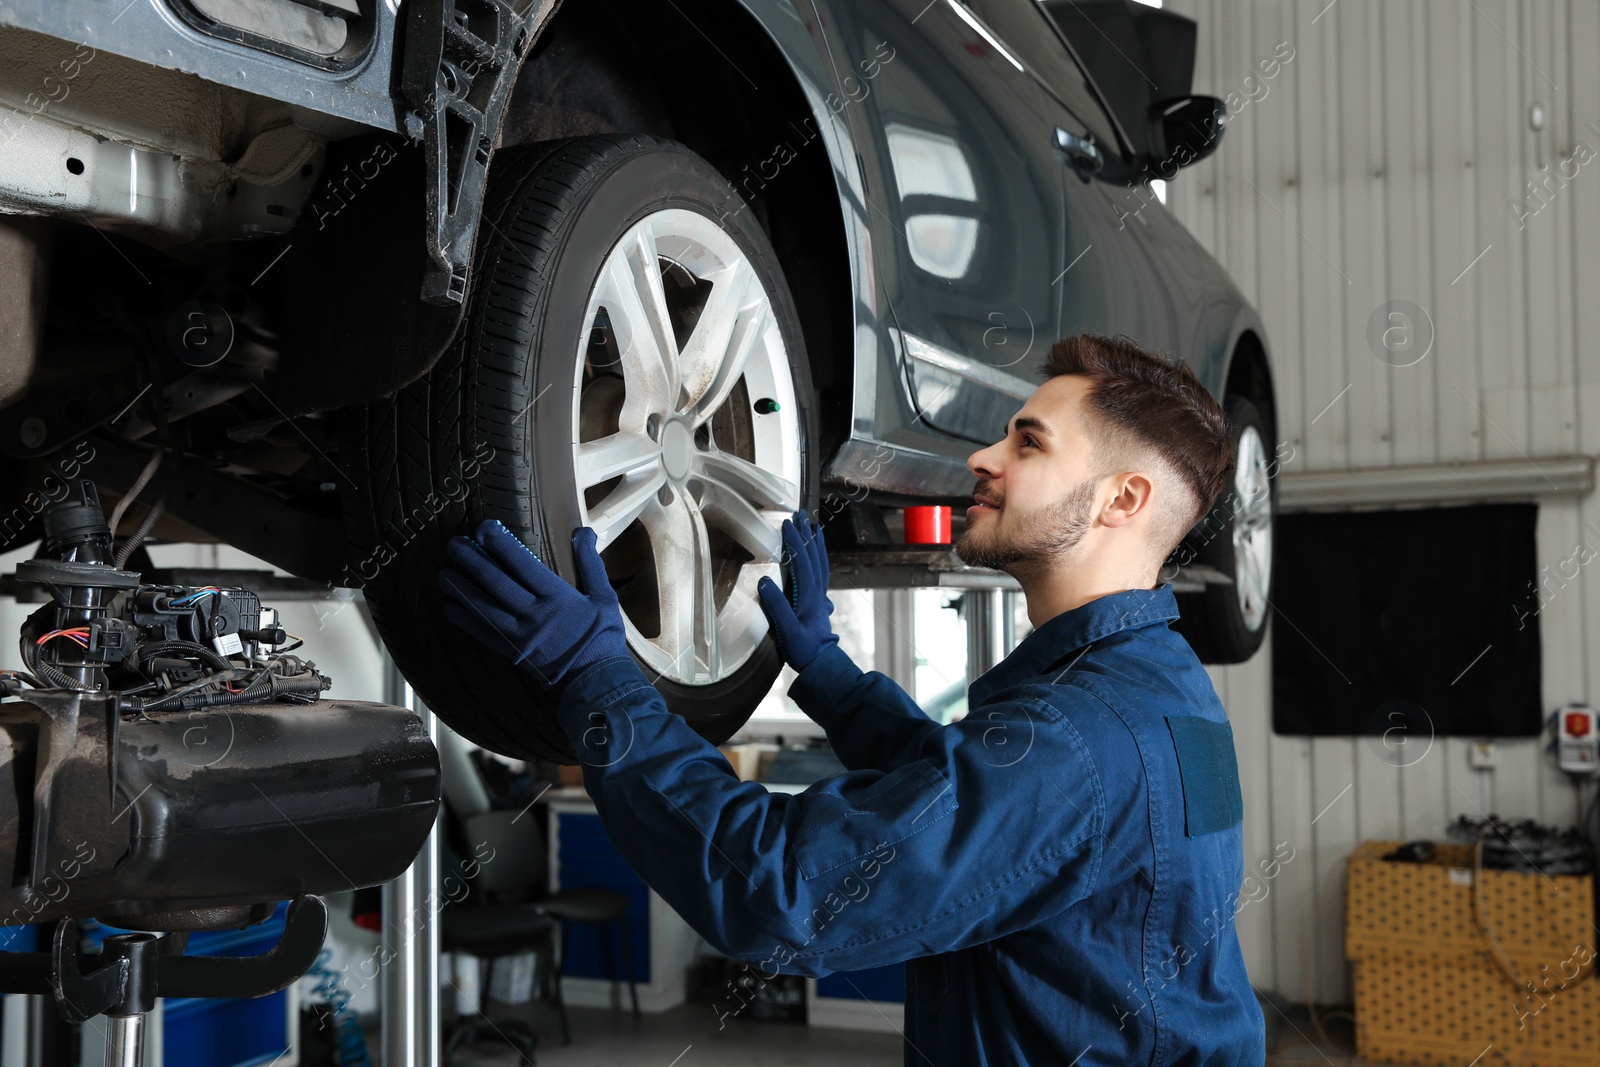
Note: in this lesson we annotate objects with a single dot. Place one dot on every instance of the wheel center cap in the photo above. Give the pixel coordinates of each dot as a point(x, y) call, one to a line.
point(677, 449)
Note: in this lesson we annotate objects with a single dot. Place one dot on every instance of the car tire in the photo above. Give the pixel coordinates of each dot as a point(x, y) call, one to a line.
point(552, 410)
point(1227, 622)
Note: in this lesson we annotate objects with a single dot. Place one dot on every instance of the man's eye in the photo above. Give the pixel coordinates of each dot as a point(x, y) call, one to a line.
point(1028, 441)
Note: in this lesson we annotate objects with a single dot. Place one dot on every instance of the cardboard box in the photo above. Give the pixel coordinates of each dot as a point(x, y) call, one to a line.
point(745, 760)
point(1452, 964)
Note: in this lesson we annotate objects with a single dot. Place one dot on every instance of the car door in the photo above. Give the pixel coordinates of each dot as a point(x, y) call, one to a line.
point(966, 208)
point(1123, 276)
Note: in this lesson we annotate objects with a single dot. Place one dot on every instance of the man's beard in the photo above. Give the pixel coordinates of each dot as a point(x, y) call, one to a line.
point(1044, 537)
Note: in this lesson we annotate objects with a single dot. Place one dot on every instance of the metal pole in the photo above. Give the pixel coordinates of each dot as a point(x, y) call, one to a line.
point(985, 630)
point(124, 1040)
point(1008, 621)
point(893, 650)
point(410, 982)
point(47, 1033)
point(426, 873)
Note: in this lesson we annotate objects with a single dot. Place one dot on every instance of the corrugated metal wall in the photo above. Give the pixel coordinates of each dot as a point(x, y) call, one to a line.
point(1389, 160)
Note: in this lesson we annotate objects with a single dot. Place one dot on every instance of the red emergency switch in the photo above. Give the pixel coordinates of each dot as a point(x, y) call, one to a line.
point(1578, 723)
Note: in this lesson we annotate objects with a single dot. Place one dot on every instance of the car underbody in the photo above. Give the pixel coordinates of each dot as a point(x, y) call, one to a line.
point(243, 241)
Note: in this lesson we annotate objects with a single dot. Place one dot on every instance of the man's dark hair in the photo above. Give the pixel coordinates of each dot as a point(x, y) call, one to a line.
point(1140, 403)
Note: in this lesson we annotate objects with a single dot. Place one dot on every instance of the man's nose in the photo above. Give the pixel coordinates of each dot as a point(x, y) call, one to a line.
point(984, 463)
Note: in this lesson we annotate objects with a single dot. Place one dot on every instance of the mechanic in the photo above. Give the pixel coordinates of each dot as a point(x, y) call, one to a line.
point(1059, 870)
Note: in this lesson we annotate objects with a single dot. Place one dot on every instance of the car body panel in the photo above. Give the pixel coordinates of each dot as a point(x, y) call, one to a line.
point(953, 155)
point(973, 242)
point(151, 31)
point(872, 456)
point(966, 207)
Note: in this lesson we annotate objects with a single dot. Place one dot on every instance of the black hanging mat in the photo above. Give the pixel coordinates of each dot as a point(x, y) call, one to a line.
point(1410, 625)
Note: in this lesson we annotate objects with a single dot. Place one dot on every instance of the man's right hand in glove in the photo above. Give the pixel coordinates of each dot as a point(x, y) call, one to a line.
point(800, 622)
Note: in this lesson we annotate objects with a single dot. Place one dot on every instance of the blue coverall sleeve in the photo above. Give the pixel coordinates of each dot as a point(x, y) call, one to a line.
point(958, 847)
point(871, 722)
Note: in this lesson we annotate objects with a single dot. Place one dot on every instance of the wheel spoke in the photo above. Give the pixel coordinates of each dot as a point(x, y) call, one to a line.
point(1244, 568)
point(627, 502)
point(1255, 499)
point(1249, 603)
point(684, 585)
point(1251, 574)
point(644, 264)
point(715, 353)
point(742, 622)
point(732, 514)
point(761, 488)
point(621, 453)
point(631, 290)
point(1250, 478)
point(752, 324)
point(708, 640)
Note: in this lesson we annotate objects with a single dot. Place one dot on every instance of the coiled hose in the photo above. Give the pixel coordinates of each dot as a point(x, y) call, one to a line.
point(350, 1045)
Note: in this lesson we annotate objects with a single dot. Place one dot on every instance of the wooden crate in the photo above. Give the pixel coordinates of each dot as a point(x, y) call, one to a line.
point(1428, 990)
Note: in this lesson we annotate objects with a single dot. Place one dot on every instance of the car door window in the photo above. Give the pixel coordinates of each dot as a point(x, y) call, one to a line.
point(1029, 33)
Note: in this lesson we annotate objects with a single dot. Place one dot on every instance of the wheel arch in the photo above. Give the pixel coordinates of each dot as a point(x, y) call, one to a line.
point(713, 75)
point(1209, 618)
point(1250, 374)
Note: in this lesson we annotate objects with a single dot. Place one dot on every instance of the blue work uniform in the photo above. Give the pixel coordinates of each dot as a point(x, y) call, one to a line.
point(1059, 870)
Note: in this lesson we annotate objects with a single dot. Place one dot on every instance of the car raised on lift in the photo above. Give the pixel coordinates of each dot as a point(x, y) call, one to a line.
point(334, 280)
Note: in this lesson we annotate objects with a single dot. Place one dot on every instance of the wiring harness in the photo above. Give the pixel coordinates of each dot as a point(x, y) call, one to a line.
point(160, 648)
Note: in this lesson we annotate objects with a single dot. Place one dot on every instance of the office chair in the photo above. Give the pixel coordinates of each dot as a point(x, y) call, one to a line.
point(519, 833)
point(493, 921)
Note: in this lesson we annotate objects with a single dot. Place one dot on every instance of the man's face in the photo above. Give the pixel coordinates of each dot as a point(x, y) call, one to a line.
point(1036, 488)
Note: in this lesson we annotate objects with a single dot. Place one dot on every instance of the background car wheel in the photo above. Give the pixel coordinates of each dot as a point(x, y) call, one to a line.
point(1226, 623)
point(631, 360)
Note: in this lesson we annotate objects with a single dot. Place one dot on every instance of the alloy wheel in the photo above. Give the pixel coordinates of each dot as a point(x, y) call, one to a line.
point(687, 449)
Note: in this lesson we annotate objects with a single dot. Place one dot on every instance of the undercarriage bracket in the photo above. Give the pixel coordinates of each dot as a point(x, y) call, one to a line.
point(461, 61)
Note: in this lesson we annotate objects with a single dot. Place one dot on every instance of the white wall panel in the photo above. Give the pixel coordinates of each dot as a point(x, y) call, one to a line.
point(1384, 162)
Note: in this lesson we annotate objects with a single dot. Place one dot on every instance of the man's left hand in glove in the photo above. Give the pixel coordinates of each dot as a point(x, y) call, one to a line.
point(498, 591)
point(800, 624)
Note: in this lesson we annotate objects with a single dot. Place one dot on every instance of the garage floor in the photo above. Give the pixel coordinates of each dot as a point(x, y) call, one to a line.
point(688, 1037)
point(1292, 1039)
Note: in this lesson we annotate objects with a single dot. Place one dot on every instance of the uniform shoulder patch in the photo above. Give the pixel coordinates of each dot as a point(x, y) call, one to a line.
point(1210, 772)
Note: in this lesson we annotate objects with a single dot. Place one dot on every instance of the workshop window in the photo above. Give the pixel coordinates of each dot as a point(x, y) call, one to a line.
point(853, 620)
point(939, 647)
point(1418, 623)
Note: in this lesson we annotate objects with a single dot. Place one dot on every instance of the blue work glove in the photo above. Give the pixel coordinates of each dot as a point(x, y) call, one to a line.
point(801, 627)
point(499, 592)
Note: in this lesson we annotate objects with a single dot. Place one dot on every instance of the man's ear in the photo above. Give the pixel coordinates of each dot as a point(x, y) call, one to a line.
point(1131, 496)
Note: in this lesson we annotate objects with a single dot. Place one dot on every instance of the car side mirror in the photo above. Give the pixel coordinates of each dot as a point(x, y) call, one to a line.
point(1190, 128)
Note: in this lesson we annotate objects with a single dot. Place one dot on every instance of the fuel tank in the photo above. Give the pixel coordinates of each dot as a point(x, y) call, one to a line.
point(203, 818)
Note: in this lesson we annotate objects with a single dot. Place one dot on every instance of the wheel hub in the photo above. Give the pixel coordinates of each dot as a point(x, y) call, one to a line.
point(677, 449)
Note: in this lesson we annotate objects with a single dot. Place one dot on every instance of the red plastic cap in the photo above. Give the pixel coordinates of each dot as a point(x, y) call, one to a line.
point(928, 525)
